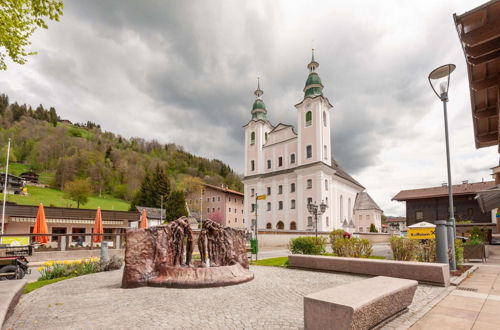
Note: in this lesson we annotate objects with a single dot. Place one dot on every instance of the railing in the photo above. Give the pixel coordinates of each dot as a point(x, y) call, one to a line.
point(64, 242)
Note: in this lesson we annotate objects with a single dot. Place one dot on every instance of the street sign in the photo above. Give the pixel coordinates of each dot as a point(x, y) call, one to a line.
point(15, 240)
point(261, 197)
point(421, 233)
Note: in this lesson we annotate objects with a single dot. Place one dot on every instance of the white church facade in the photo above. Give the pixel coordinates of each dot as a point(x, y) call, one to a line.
point(294, 167)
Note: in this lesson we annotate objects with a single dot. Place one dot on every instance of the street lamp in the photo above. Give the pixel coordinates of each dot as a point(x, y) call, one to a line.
point(440, 78)
point(316, 210)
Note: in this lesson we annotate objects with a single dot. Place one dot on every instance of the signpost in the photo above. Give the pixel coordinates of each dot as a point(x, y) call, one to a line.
point(255, 243)
point(422, 230)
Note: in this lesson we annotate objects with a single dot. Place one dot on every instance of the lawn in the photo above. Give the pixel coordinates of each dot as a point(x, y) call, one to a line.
point(54, 197)
point(38, 284)
point(276, 262)
point(17, 168)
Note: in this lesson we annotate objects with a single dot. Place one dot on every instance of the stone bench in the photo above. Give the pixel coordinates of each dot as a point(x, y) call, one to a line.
point(423, 272)
point(358, 305)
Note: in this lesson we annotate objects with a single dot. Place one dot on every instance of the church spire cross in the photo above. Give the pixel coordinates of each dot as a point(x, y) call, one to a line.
point(313, 65)
point(258, 92)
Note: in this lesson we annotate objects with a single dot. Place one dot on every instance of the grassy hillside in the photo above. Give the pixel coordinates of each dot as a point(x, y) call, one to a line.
point(53, 197)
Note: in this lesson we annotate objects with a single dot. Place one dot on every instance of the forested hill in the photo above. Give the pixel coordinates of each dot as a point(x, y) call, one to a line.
point(114, 165)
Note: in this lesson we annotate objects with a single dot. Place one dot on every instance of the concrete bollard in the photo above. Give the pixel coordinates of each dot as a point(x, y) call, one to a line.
point(62, 243)
point(104, 252)
point(441, 242)
point(117, 242)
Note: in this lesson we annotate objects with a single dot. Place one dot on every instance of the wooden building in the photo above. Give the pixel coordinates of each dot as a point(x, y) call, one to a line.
point(30, 177)
point(15, 184)
point(431, 204)
point(20, 219)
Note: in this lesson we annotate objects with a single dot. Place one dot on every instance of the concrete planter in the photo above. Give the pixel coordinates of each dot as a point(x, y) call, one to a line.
point(474, 252)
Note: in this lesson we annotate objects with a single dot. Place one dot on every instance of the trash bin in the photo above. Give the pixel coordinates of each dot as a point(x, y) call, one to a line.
point(254, 245)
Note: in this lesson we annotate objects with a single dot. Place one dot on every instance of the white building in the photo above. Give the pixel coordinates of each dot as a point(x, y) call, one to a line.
point(366, 213)
point(295, 166)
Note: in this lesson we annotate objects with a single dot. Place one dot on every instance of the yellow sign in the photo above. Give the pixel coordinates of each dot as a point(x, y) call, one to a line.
point(421, 233)
point(260, 197)
point(16, 240)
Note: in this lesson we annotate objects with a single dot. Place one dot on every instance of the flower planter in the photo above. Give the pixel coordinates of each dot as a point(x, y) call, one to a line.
point(474, 252)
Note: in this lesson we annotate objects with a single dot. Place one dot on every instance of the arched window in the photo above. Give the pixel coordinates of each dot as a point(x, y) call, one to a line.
point(309, 221)
point(341, 207)
point(269, 226)
point(252, 138)
point(280, 225)
point(349, 212)
point(266, 136)
point(325, 153)
point(327, 222)
point(309, 117)
point(293, 225)
point(326, 184)
point(324, 118)
point(309, 151)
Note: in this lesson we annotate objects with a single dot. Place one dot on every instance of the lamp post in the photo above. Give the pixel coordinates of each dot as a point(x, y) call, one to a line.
point(441, 77)
point(316, 210)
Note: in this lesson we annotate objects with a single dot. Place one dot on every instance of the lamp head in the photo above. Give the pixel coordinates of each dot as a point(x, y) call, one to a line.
point(439, 79)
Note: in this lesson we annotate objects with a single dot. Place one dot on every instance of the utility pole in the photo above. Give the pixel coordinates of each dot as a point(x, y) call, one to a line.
point(5, 186)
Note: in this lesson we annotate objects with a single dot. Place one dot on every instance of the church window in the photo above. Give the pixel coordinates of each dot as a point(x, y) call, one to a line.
point(268, 163)
point(324, 118)
point(349, 208)
point(292, 187)
point(280, 161)
point(326, 201)
point(280, 189)
point(269, 206)
point(325, 153)
point(280, 225)
point(280, 205)
point(269, 225)
point(265, 135)
point(327, 222)
point(309, 200)
point(253, 192)
point(292, 204)
point(341, 207)
point(326, 184)
point(309, 116)
point(367, 217)
point(309, 151)
point(309, 221)
point(309, 183)
point(213, 199)
point(293, 225)
point(252, 138)
point(252, 165)
point(292, 159)
point(253, 207)
point(269, 190)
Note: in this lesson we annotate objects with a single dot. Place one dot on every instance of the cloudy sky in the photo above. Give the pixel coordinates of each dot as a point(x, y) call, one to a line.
point(185, 72)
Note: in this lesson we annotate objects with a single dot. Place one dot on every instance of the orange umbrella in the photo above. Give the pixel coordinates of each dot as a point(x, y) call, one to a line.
point(41, 226)
point(98, 227)
point(144, 220)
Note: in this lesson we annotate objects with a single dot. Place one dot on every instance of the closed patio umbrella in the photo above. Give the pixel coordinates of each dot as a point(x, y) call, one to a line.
point(144, 219)
point(98, 229)
point(41, 226)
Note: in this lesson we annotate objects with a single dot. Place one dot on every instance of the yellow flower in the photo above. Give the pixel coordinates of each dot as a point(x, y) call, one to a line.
point(39, 269)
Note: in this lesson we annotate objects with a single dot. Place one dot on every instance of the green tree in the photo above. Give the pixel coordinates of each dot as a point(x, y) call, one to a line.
point(373, 229)
point(175, 206)
point(19, 19)
point(154, 186)
point(78, 190)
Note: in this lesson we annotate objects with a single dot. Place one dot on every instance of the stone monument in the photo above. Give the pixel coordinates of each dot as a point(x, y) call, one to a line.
point(163, 256)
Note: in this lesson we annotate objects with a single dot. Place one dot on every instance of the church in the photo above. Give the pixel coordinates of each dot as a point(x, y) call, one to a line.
point(293, 167)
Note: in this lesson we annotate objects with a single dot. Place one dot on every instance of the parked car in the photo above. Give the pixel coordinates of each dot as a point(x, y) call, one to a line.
point(13, 262)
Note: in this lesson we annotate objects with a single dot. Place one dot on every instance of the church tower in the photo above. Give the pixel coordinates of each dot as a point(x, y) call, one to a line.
point(313, 121)
point(256, 131)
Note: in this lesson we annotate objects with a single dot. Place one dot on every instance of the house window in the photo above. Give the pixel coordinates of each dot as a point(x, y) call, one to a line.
point(252, 192)
point(367, 217)
point(268, 163)
point(229, 209)
point(309, 117)
point(252, 165)
point(292, 204)
point(213, 199)
point(280, 205)
point(280, 189)
point(208, 210)
point(218, 198)
point(292, 159)
point(326, 200)
point(74, 231)
point(218, 209)
point(309, 200)
point(292, 187)
point(326, 185)
point(235, 210)
point(309, 183)
point(268, 206)
point(57, 230)
point(309, 221)
point(268, 190)
point(324, 118)
point(360, 229)
point(253, 207)
point(280, 161)
point(309, 151)
point(213, 209)
point(252, 138)
point(419, 215)
point(360, 217)
point(208, 199)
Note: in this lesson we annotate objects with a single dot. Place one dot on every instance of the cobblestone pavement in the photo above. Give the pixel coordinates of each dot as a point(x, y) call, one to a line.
point(274, 299)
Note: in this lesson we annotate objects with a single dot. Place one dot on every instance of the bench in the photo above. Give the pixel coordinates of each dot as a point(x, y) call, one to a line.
point(423, 272)
point(358, 305)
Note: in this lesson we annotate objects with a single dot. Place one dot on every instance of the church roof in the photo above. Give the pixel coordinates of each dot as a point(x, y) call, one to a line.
point(339, 171)
point(258, 104)
point(365, 202)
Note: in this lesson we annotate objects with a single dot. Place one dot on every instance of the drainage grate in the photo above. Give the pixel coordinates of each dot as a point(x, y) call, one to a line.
point(466, 289)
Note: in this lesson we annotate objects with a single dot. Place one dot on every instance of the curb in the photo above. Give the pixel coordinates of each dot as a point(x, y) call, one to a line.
point(10, 292)
point(457, 280)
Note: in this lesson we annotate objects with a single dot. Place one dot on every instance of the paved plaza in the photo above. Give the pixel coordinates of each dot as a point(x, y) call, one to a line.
point(274, 299)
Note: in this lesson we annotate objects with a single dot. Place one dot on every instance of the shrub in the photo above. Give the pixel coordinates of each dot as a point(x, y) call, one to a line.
point(459, 252)
point(478, 234)
point(474, 241)
point(336, 234)
point(404, 249)
point(57, 269)
point(352, 247)
point(373, 229)
point(307, 245)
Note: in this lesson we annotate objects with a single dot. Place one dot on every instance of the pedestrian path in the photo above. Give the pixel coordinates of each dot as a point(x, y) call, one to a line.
point(474, 304)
